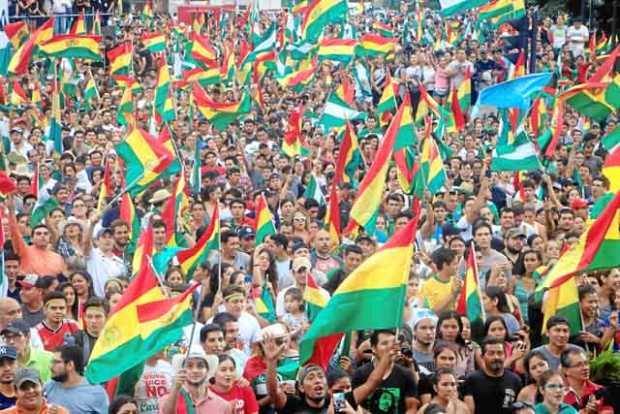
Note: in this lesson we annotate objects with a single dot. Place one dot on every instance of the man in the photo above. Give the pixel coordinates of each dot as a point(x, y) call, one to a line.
point(567, 219)
point(322, 257)
point(558, 331)
point(471, 212)
point(490, 257)
point(235, 303)
point(353, 256)
point(35, 258)
point(29, 395)
point(279, 248)
point(230, 325)
point(581, 392)
point(11, 270)
point(8, 365)
point(10, 311)
point(162, 254)
point(32, 299)
point(95, 313)
point(120, 234)
point(492, 389)
point(312, 382)
point(514, 240)
point(17, 334)
point(69, 388)
point(442, 289)
point(239, 219)
point(424, 324)
point(301, 268)
point(102, 264)
point(230, 252)
point(506, 222)
point(247, 239)
point(577, 36)
point(55, 327)
point(212, 339)
point(191, 387)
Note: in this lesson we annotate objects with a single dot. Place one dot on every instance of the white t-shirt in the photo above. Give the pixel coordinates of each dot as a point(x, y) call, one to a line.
point(102, 268)
point(156, 382)
point(559, 36)
point(248, 329)
point(577, 39)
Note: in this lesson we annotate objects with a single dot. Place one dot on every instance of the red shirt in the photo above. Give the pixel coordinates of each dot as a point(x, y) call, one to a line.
point(53, 339)
point(243, 397)
point(578, 403)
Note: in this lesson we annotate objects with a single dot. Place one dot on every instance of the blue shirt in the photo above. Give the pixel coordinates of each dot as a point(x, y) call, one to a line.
point(82, 399)
point(6, 402)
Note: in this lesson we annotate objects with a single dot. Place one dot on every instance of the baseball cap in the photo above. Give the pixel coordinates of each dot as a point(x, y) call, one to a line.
point(300, 262)
point(245, 232)
point(26, 375)
point(8, 352)
point(196, 352)
point(450, 230)
point(16, 129)
point(306, 370)
point(28, 281)
point(515, 232)
point(18, 326)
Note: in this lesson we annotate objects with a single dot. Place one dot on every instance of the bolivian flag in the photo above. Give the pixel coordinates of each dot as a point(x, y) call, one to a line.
point(21, 58)
point(124, 116)
point(332, 218)
point(349, 156)
point(291, 144)
point(126, 81)
point(341, 50)
point(18, 95)
point(319, 14)
point(469, 302)
point(145, 158)
point(190, 259)
point(120, 58)
point(202, 50)
point(264, 220)
point(210, 76)
point(73, 46)
point(611, 170)
point(142, 324)
point(382, 278)
point(218, 113)
point(597, 249)
point(17, 33)
point(154, 42)
point(375, 45)
point(79, 26)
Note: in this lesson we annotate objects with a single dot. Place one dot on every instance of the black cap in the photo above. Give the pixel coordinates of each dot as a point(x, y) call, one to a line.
point(18, 326)
point(8, 352)
point(245, 232)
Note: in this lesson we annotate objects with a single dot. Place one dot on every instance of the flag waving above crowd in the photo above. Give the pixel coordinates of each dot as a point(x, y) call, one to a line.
point(324, 207)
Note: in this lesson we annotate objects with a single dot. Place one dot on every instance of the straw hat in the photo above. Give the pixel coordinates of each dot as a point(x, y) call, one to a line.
point(160, 195)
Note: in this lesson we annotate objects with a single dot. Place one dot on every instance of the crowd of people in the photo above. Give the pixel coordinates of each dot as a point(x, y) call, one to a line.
point(66, 272)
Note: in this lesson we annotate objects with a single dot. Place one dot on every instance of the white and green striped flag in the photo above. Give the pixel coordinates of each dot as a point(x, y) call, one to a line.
point(450, 7)
point(518, 156)
point(313, 190)
point(5, 53)
point(337, 112)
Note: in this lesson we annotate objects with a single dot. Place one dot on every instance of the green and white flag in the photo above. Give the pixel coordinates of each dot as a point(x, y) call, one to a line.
point(313, 190)
point(5, 53)
point(451, 7)
point(518, 156)
point(337, 112)
point(44, 206)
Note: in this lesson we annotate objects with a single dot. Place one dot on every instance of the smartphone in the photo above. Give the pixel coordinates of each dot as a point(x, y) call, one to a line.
point(340, 403)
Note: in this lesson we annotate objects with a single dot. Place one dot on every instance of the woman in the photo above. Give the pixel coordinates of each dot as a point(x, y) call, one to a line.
point(301, 226)
point(495, 327)
point(499, 276)
point(447, 397)
point(225, 384)
point(71, 295)
point(71, 245)
point(495, 303)
point(449, 329)
point(444, 357)
point(551, 387)
point(535, 364)
point(525, 284)
point(123, 404)
point(83, 284)
point(264, 276)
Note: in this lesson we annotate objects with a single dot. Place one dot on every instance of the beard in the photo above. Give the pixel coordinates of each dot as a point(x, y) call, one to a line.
point(496, 366)
point(60, 377)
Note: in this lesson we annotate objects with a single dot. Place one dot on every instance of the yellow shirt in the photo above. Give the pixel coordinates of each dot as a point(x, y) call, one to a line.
point(434, 291)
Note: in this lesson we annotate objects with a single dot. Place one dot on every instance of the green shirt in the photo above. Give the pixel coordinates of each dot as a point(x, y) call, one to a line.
point(41, 361)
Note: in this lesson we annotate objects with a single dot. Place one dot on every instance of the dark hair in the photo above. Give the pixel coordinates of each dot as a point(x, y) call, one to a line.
point(159, 224)
point(89, 280)
point(490, 340)
point(446, 315)
point(441, 346)
point(72, 353)
point(280, 240)
point(232, 289)
point(480, 225)
point(353, 248)
point(54, 295)
point(335, 374)
point(227, 234)
point(374, 336)
point(224, 357)
point(545, 377)
point(223, 318)
point(207, 329)
point(556, 320)
point(440, 372)
point(526, 363)
point(495, 292)
point(585, 290)
point(118, 402)
point(495, 318)
point(296, 294)
point(442, 256)
point(272, 271)
point(76, 306)
point(97, 302)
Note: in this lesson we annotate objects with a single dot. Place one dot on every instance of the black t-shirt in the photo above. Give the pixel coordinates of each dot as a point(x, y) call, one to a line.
point(492, 394)
point(390, 396)
point(6, 402)
point(296, 405)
